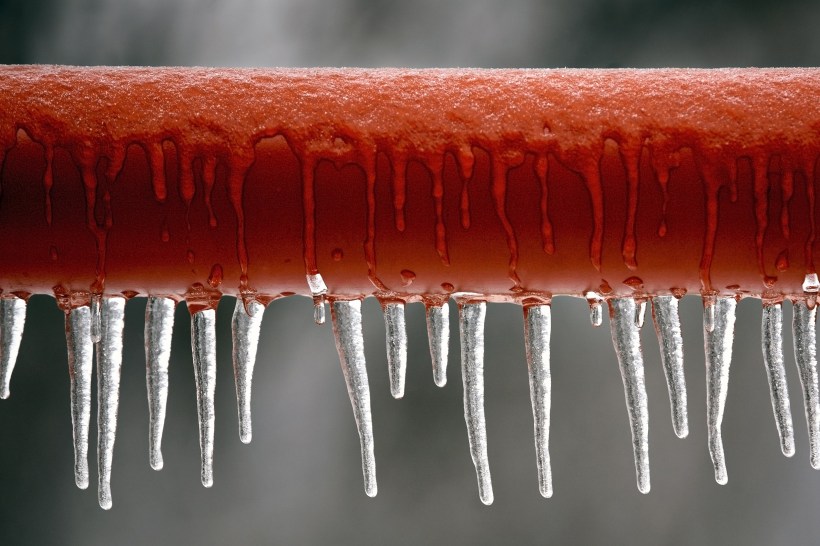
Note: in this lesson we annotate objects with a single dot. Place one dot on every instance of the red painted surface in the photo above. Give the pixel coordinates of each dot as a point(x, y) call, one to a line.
point(506, 183)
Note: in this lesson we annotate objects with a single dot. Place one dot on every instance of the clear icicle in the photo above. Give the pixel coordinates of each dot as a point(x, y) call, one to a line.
point(12, 320)
point(109, 366)
point(159, 327)
point(347, 328)
point(80, 353)
point(718, 347)
point(318, 289)
point(96, 320)
point(471, 326)
point(805, 354)
point(626, 339)
point(772, 336)
point(640, 314)
point(596, 314)
point(438, 334)
point(203, 345)
point(667, 327)
point(537, 329)
point(396, 338)
point(245, 333)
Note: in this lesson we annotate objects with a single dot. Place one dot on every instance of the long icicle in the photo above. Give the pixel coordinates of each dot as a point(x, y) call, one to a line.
point(772, 346)
point(347, 328)
point(805, 354)
point(471, 327)
point(626, 338)
point(12, 321)
point(438, 335)
point(667, 327)
point(396, 339)
point(245, 332)
point(537, 330)
point(203, 345)
point(159, 327)
point(80, 353)
point(109, 366)
point(718, 347)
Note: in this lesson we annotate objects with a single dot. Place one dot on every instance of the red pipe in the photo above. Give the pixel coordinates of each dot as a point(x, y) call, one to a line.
point(404, 183)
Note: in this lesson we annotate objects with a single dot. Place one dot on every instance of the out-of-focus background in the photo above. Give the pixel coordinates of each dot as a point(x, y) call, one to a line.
point(300, 480)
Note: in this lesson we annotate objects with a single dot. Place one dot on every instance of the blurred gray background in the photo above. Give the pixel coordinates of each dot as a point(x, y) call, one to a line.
point(300, 482)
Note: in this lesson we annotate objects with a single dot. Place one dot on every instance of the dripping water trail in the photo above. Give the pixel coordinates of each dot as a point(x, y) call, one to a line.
point(12, 321)
point(718, 347)
point(667, 327)
point(627, 341)
point(805, 354)
point(80, 351)
point(245, 333)
point(109, 366)
point(203, 346)
point(159, 327)
point(471, 326)
point(396, 339)
point(438, 334)
point(347, 328)
point(772, 336)
point(537, 330)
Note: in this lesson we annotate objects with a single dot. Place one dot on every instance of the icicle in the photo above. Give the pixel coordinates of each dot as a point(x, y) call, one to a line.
point(537, 328)
point(396, 333)
point(640, 314)
point(109, 365)
point(96, 321)
point(718, 345)
point(667, 327)
point(471, 326)
point(805, 354)
point(203, 345)
point(772, 336)
point(12, 320)
point(438, 333)
point(318, 288)
point(80, 351)
point(347, 328)
point(245, 333)
point(596, 316)
point(159, 326)
point(626, 339)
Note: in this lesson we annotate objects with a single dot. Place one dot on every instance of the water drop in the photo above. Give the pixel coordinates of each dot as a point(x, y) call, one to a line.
point(215, 277)
point(635, 283)
point(407, 277)
point(337, 254)
point(447, 287)
point(159, 327)
point(810, 283)
point(782, 262)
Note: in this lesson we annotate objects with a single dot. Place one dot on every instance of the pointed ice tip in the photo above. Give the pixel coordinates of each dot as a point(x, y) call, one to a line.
point(546, 492)
point(486, 497)
point(787, 449)
point(207, 477)
point(815, 463)
point(4, 393)
point(721, 477)
point(81, 477)
point(682, 432)
point(156, 462)
point(104, 498)
point(371, 490)
point(245, 436)
point(643, 485)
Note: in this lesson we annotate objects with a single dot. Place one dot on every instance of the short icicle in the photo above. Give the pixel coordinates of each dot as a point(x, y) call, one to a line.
point(318, 289)
point(12, 320)
point(80, 354)
point(718, 347)
point(537, 330)
point(245, 332)
point(159, 327)
point(772, 336)
point(109, 366)
point(805, 354)
point(438, 334)
point(667, 327)
point(203, 345)
point(471, 326)
point(347, 328)
point(626, 338)
point(396, 339)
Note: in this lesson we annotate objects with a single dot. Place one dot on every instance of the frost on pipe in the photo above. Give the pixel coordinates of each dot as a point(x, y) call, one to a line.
point(621, 187)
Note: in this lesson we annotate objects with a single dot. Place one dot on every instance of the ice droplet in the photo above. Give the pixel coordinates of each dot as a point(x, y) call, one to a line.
point(245, 332)
point(347, 328)
point(159, 327)
point(811, 283)
point(438, 334)
point(80, 352)
point(718, 347)
point(203, 346)
point(109, 366)
point(318, 289)
point(626, 339)
point(805, 354)
point(471, 326)
point(772, 336)
point(537, 330)
point(396, 338)
point(667, 327)
point(12, 321)
point(596, 315)
point(640, 313)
